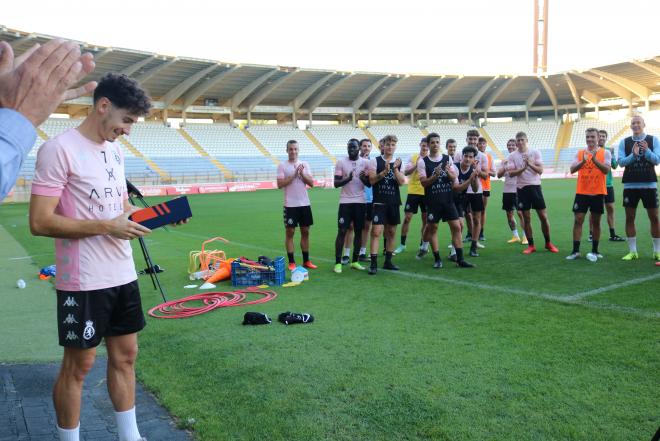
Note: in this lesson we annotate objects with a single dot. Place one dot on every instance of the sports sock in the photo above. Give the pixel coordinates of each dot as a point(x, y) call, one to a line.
point(356, 256)
point(127, 426)
point(482, 234)
point(69, 434)
point(453, 251)
point(305, 256)
point(363, 251)
point(425, 246)
point(612, 233)
point(530, 240)
point(388, 257)
point(594, 246)
point(656, 244)
point(474, 245)
point(436, 255)
point(347, 252)
point(374, 260)
point(515, 233)
point(403, 239)
point(459, 254)
point(337, 259)
point(632, 244)
point(290, 256)
point(576, 246)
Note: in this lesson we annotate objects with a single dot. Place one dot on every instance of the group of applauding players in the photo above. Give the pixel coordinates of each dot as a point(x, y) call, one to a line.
point(454, 187)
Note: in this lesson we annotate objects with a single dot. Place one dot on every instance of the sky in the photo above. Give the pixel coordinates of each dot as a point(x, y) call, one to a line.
point(433, 37)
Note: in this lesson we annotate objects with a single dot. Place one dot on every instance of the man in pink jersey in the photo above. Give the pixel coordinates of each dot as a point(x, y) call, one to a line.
point(526, 165)
point(294, 176)
point(510, 196)
point(351, 177)
point(79, 198)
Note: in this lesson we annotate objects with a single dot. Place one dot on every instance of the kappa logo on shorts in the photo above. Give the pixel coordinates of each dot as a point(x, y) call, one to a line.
point(69, 320)
point(71, 336)
point(341, 220)
point(520, 204)
point(375, 218)
point(431, 216)
point(89, 331)
point(70, 302)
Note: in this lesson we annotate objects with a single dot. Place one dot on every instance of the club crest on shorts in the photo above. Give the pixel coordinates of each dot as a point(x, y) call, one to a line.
point(289, 221)
point(520, 205)
point(431, 216)
point(375, 218)
point(407, 206)
point(626, 200)
point(575, 206)
point(89, 331)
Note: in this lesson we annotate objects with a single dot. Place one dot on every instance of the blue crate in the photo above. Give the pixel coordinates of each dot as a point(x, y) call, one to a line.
point(242, 276)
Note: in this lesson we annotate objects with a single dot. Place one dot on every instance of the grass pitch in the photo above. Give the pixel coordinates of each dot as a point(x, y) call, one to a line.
point(519, 348)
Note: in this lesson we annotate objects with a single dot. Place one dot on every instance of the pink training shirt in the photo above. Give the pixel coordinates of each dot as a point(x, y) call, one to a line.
point(295, 194)
point(88, 178)
point(353, 192)
point(509, 181)
point(529, 176)
point(481, 164)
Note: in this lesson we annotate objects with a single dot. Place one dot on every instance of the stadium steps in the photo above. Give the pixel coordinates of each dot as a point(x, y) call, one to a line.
point(164, 176)
point(42, 134)
point(319, 146)
point(259, 146)
point(563, 138)
point(614, 142)
point(368, 134)
point(491, 143)
point(225, 171)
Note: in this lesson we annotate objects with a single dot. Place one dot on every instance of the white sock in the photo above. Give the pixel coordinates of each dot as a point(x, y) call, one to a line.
point(363, 251)
point(69, 434)
point(425, 246)
point(515, 233)
point(347, 252)
point(127, 426)
point(656, 244)
point(453, 251)
point(632, 244)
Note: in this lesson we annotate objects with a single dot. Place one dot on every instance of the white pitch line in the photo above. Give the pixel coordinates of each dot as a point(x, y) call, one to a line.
point(593, 292)
point(566, 300)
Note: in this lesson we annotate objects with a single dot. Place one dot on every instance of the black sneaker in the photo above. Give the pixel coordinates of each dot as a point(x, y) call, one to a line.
point(467, 239)
point(390, 266)
point(591, 238)
point(345, 260)
point(363, 258)
point(452, 257)
point(473, 253)
point(482, 238)
point(372, 270)
point(421, 253)
point(464, 264)
point(437, 264)
point(617, 238)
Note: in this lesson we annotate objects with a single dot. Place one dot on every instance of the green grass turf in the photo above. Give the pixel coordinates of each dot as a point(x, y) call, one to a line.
point(445, 354)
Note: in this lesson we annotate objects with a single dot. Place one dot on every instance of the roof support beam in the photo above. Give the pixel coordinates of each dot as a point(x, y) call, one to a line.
point(612, 87)
point(366, 93)
point(574, 93)
point(303, 96)
point(380, 96)
point(130, 70)
point(590, 97)
point(648, 67)
point(191, 96)
point(437, 96)
point(482, 90)
point(414, 104)
point(496, 94)
point(532, 97)
point(178, 90)
point(549, 91)
point(239, 96)
point(265, 91)
point(318, 99)
point(143, 78)
point(632, 86)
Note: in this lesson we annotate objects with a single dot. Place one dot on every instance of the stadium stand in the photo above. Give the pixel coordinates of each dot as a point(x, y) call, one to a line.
point(408, 136)
point(579, 127)
point(335, 137)
point(274, 139)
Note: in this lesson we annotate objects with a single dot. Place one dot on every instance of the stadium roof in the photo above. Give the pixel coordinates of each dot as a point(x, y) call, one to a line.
point(210, 88)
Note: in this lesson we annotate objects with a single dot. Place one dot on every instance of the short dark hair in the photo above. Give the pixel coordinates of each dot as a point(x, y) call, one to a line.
point(423, 140)
point(511, 140)
point(124, 93)
point(449, 141)
point(482, 139)
point(603, 131)
point(430, 136)
point(470, 149)
point(592, 129)
point(472, 132)
point(289, 142)
point(363, 140)
point(353, 140)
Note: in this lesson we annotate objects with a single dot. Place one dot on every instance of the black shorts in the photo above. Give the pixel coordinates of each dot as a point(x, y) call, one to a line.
point(412, 202)
point(609, 197)
point(445, 211)
point(386, 214)
point(486, 193)
point(369, 212)
point(85, 317)
point(649, 197)
point(459, 204)
point(509, 201)
point(530, 196)
point(474, 201)
point(593, 203)
point(298, 216)
point(351, 213)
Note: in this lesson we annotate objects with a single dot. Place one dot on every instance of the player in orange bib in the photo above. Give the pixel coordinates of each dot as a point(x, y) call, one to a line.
point(592, 165)
point(489, 168)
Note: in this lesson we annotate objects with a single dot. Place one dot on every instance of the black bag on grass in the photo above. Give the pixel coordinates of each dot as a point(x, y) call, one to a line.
point(256, 318)
point(290, 318)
